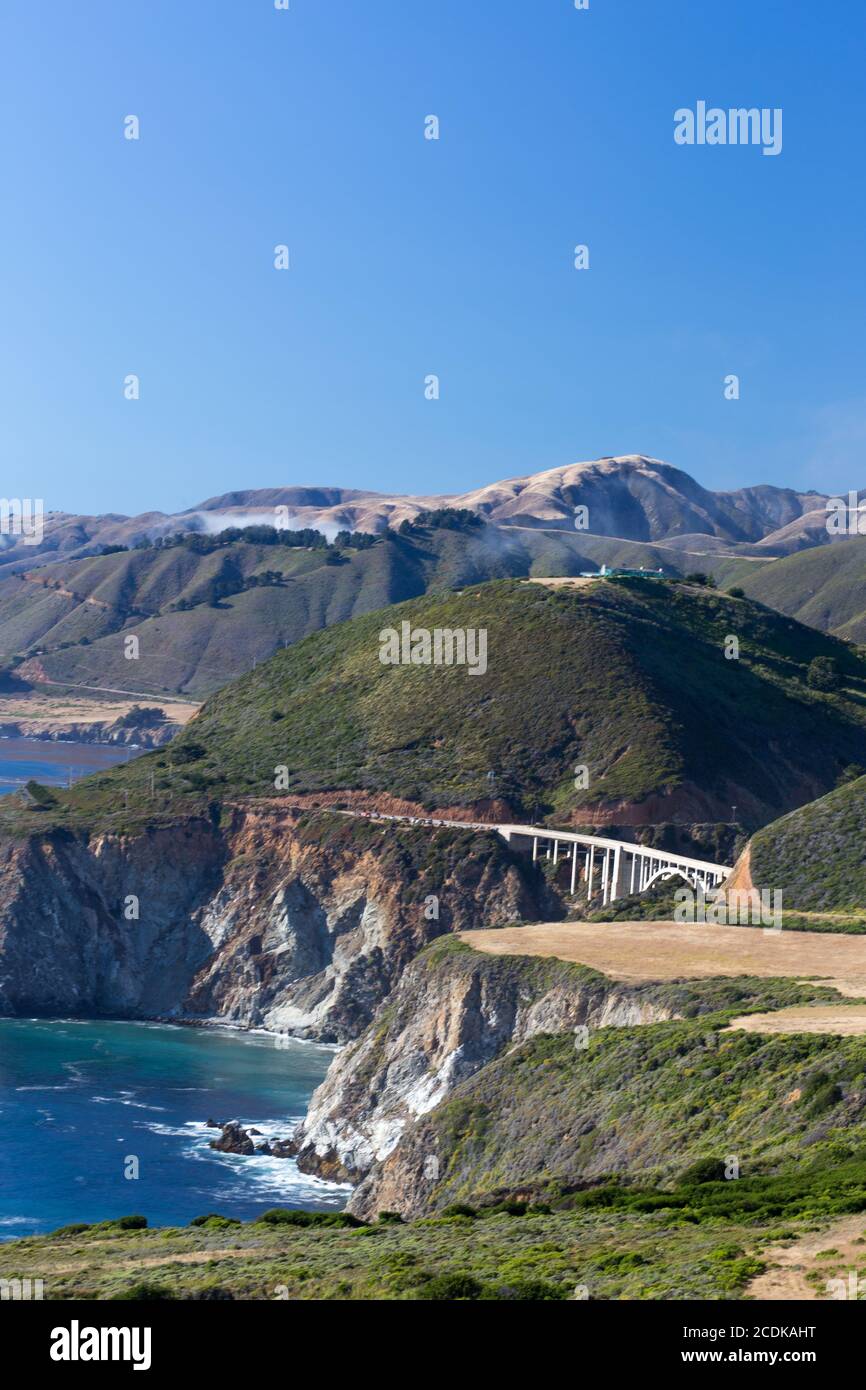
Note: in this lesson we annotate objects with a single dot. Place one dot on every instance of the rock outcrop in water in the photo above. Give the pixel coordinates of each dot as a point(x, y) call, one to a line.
point(262, 918)
point(233, 1140)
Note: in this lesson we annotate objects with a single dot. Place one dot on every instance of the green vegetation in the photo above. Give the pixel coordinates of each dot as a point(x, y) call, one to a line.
point(142, 717)
point(815, 855)
point(206, 608)
point(629, 679)
point(566, 1172)
point(663, 1105)
point(534, 1256)
point(40, 796)
point(600, 1172)
point(824, 586)
point(823, 674)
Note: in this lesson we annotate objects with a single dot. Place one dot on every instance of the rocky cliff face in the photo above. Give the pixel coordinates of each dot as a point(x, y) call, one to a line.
point(103, 731)
point(453, 1012)
point(264, 919)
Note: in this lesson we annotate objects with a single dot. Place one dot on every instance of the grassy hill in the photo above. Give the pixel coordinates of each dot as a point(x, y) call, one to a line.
point(203, 616)
point(815, 855)
point(825, 587)
point(626, 678)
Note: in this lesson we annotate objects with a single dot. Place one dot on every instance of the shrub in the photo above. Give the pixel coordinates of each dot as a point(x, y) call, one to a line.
point(144, 1292)
point(284, 1216)
point(459, 1209)
point(823, 674)
point(445, 1287)
point(42, 796)
point(142, 717)
point(820, 1094)
point(525, 1291)
point(188, 753)
point(214, 1222)
point(705, 1170)
point(620, 1261)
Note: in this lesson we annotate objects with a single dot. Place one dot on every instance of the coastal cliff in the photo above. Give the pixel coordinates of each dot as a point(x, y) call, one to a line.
point(488, 1078)
point(453, 1011)
point(257, 916)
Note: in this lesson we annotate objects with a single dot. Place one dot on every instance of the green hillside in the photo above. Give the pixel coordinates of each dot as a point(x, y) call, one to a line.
point(825, 586)
point(642, 1103)
point(204, 613)
point(626, 678)
point(816, 855)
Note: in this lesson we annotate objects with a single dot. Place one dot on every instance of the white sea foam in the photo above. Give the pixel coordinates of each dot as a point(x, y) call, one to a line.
point(123, 1099)
point(257, 1177)
point(66, 1087)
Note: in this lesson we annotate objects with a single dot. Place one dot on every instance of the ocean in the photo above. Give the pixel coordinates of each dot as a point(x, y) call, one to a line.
point(79, 1099)
point(55, 763)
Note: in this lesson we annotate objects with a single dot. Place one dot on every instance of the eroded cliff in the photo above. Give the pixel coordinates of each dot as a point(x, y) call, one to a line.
point(489, 1078)
point(453, 1011)
point(261, 916)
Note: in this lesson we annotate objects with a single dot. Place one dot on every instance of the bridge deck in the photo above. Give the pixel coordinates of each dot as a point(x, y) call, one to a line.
point(536, 832)
point(647, 862)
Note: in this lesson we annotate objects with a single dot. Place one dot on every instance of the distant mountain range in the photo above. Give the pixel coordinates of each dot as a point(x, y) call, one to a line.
point(205, 615)
point(632, 498)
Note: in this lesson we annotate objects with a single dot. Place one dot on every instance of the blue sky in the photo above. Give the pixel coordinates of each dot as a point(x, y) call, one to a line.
point(412, 257)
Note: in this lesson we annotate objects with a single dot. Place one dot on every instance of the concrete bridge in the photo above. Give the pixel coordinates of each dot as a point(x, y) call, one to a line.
point(622, 866)
point(611, 868)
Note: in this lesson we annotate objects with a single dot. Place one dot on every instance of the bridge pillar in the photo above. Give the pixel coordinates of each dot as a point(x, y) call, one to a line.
point(605, 882)
point(618, 867)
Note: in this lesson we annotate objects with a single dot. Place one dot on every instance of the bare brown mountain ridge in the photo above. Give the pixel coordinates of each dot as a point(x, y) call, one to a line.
point(631, 496)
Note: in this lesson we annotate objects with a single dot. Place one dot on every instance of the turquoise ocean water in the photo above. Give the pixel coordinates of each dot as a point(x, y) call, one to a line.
point(78, 1099)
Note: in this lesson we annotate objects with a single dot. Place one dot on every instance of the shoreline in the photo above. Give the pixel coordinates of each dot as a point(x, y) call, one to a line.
point(216, 1024)
point(229, 1184)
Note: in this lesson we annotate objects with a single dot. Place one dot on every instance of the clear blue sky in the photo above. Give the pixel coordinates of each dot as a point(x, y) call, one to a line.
point(412, 257)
